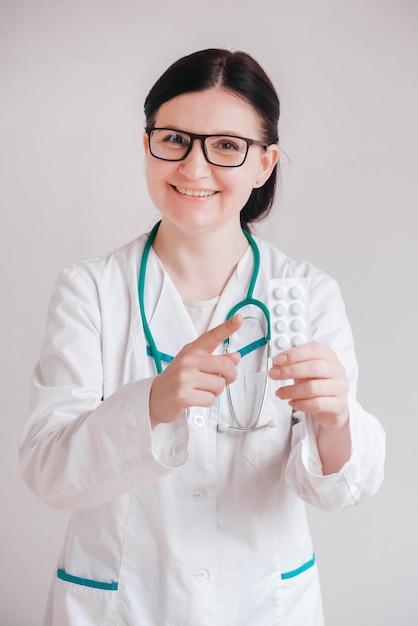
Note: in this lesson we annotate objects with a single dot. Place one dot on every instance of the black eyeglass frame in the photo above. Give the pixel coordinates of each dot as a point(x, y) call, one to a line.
point(202, 138)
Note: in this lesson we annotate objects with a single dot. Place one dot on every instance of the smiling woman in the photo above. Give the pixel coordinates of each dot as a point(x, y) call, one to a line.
point(189, 167)
point(240, 76)
point(186, 463)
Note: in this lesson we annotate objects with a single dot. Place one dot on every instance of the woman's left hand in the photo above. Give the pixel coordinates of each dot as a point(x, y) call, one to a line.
point(320, 385)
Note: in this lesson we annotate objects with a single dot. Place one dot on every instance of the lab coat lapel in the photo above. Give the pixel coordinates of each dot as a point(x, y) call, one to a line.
point(168, 319)
point(167, 316)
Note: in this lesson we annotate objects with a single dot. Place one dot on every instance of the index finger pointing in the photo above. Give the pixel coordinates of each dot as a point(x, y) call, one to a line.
point(210, 340)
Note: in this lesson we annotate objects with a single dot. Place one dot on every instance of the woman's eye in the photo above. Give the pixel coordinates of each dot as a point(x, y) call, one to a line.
point(176, 139)
point(226, 145)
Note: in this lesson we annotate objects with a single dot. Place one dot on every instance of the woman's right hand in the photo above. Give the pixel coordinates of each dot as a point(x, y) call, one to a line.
point(195, 377)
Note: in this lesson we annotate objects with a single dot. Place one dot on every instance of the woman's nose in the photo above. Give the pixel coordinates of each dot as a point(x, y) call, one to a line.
point(195, 165)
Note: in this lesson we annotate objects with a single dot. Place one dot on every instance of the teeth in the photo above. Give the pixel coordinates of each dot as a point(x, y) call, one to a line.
point(198, 194)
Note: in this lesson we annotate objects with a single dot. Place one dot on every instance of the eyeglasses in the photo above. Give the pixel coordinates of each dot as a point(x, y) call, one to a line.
point(170, 144)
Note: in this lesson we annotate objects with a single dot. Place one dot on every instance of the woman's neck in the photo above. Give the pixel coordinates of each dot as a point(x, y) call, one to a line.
point(200, 263)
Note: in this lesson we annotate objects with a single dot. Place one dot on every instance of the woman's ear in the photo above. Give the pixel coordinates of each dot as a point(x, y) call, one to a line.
point(145, 142)
point(269, 159)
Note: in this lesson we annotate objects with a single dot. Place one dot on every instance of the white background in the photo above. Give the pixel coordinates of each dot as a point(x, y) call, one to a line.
point(74, 75)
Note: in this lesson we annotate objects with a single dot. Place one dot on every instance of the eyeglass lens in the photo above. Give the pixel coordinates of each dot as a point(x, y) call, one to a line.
point(172, 145)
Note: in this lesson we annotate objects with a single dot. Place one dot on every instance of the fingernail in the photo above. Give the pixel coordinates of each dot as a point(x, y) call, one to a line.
point(280, 359)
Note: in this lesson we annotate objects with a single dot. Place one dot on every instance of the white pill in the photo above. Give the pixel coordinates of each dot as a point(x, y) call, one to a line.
point(282, 342)
point(297, 340)
point(280, 326)
point(280, 310)
point(296, 308)
point(295, 292)
point(296, 324)
point(279, 293)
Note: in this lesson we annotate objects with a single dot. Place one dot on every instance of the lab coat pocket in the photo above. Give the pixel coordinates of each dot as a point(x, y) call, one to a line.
point(83, 602)
point(302, 599)
point(267, 445)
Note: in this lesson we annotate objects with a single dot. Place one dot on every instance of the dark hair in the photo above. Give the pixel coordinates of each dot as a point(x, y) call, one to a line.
point(238, 73)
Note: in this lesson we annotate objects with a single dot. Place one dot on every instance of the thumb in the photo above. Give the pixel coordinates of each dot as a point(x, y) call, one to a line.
point(235, 357)
point(209, 341)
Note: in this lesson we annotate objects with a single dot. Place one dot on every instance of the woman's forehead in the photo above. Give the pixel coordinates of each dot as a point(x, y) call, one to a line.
point(210, 111)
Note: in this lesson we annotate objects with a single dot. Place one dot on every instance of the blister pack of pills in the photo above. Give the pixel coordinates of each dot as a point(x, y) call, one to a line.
point(289, 312)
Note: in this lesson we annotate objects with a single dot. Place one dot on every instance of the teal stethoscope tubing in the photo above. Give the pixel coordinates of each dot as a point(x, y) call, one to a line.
point(248, 300)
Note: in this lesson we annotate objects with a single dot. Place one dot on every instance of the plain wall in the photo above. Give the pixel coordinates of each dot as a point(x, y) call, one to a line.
point(74, 75)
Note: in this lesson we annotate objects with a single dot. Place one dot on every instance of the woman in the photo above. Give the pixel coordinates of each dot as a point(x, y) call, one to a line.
point(187, 508)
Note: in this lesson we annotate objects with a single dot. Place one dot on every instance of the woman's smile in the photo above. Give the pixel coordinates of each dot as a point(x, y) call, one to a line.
point(195, 193)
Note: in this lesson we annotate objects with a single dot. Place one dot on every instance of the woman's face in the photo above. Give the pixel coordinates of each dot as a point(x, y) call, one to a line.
point(193, 194)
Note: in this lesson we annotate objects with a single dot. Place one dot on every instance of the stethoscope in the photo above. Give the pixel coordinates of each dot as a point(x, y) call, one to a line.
point(158, 356)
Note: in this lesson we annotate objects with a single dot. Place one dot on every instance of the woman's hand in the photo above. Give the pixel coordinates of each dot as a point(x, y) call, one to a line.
point(320, 385)
point(195, 377)
point(320, 388)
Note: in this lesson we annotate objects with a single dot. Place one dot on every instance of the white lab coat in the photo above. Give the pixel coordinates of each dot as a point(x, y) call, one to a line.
point(183, 525)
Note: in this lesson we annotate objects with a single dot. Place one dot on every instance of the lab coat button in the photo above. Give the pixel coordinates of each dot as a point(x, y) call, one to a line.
point(202, 575)
point(199, 420)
